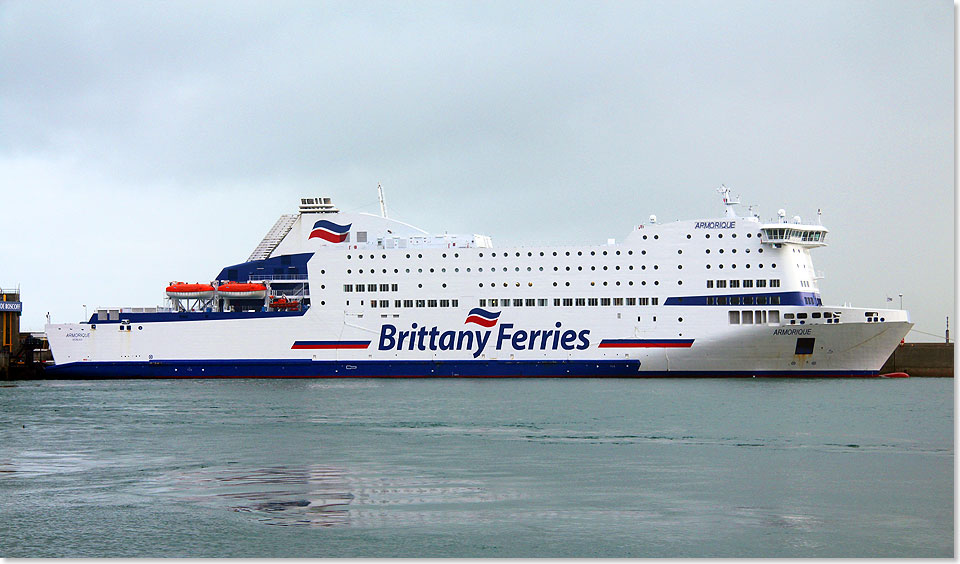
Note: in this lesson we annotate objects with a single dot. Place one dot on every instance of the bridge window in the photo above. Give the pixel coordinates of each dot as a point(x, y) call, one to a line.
point(734, 317)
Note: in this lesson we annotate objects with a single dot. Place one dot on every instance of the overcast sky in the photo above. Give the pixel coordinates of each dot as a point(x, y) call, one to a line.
point(144, 142)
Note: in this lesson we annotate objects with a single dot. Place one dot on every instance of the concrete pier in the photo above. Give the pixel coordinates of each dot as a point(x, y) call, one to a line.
point(922, 360)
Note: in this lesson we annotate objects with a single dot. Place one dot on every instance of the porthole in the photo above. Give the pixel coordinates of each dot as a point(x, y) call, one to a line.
point(348, 271)
point(481, 284)
point(679, 267)
point(688, 235)
point(593, 283)
point(749, 235)
point(618, 282)
point(431, 271)
point(518, 254)
point(630, 283)
point(708, 267)
point(733, 266)
point(708, 251)
point(383, 257)
point(395, 271)
point(721, 251)
point(444, 285)
point(554, 283)
point(656, 236)
point(139, 328)
point(644, 237)
point(593, 253)
point(481, 255)
point(419, 285)
point(759, 250)
point(348, 258)
point(567, 283)
point(604, 282)
point(630, 253)
point(323, 303)
point(643, 283)
point(419, 256)
point(656, 282)
point(707, 236)
point(580, 268)
point(719, 235)
point(593, 268)
point(554, 253)
point(680, 320)
point(444, 255)
point(679, 282)
point(567, 253)
point(579, 253)
point(774, 265)
point(734, 251)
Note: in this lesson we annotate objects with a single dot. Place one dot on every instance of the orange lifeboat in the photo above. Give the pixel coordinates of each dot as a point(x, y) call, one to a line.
point(240, 290)
point(185, 291)
point(284, 304)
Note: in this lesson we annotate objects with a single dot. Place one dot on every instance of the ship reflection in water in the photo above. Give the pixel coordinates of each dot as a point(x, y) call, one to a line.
point(324, 496)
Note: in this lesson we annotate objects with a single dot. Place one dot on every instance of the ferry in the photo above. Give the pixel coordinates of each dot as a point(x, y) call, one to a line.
point(329, 293)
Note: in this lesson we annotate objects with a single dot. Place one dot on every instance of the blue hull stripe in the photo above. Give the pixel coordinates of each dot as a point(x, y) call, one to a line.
point(785, 298)
point(400, 369)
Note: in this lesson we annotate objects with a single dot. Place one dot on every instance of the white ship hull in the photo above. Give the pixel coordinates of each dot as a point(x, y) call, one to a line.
point(649, 306)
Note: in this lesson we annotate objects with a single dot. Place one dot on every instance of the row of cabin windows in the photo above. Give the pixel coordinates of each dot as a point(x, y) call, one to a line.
point(370, 287)
point(743, 300)
point(774, 283)
point(542, 302)
point(813, 315)
point(413, 303)
point(760, 317)
point(530, 269)
point(494, 254)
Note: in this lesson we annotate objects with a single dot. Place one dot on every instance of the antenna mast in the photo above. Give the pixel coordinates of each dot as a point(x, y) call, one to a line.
point(383, 205)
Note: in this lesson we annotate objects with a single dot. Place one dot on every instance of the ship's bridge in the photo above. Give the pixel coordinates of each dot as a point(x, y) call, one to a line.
point(795, 234)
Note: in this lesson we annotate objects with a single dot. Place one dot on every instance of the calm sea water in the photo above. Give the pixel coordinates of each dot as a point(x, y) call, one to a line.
point(641, 468)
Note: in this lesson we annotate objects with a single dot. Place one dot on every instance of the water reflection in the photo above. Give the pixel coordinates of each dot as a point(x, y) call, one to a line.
point(327, 496)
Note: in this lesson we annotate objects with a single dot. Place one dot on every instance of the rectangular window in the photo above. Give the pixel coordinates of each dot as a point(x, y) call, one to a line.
point(393, 287)
point(348, 287)
point(643, 301)
point(761, 300)
point(421, 303)
point(801, 316)
point(709, 283)
point(455, 303)
point(483, 302)
point(360, 287)
point(361, 236)
point(721, 283)
point(761, 283)
point(581, 301)
point(748, 283)
point(373, 303)
point(734, 283)
point(556, 301)
point(654, 301)
point(568, 301)
point(788, 316)
point(431, 303)
point(530, 302)
point(734, 300)
point(371, 287)
point(592, 301)
point(805, 345)
point(384, 287)
point(407, 303)
point(773, 316)
point(734, 317)
point(504, 303)
point(748, 300)
point(384, 303)
point(541, 301)
point(775, 283)
point(815, 315)
point(711, 300)
point(746, 317)
point(444, 303)
point(517, 302)
point(618, 301)
point(721, 300)
point(631, 301)
point(396, 303)
point(774, 300)
point(604, 301)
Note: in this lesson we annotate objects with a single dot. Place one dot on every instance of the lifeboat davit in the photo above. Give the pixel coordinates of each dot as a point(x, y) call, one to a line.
point(241, 290)
point(185, 291)
point(284, 304)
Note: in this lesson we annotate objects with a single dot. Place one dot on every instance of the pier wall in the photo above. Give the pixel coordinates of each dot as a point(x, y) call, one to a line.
point(922, 359)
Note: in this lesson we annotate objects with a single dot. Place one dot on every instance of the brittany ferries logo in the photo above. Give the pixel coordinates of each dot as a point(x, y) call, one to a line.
point(330, 231)
point(477, 341)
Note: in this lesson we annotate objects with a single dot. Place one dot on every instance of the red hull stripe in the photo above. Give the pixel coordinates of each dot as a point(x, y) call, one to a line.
point(646, 343)
point(330, 345)
point(480, 321)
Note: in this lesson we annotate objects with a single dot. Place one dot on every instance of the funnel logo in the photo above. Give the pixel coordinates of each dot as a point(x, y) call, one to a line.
point(329, 231)
point(482, 317)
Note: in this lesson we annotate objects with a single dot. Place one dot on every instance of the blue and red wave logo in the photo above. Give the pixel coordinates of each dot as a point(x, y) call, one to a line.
point(482, 317)
point(330, 231)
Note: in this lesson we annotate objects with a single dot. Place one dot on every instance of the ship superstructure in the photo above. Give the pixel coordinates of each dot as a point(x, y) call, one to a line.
point(332, 294)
